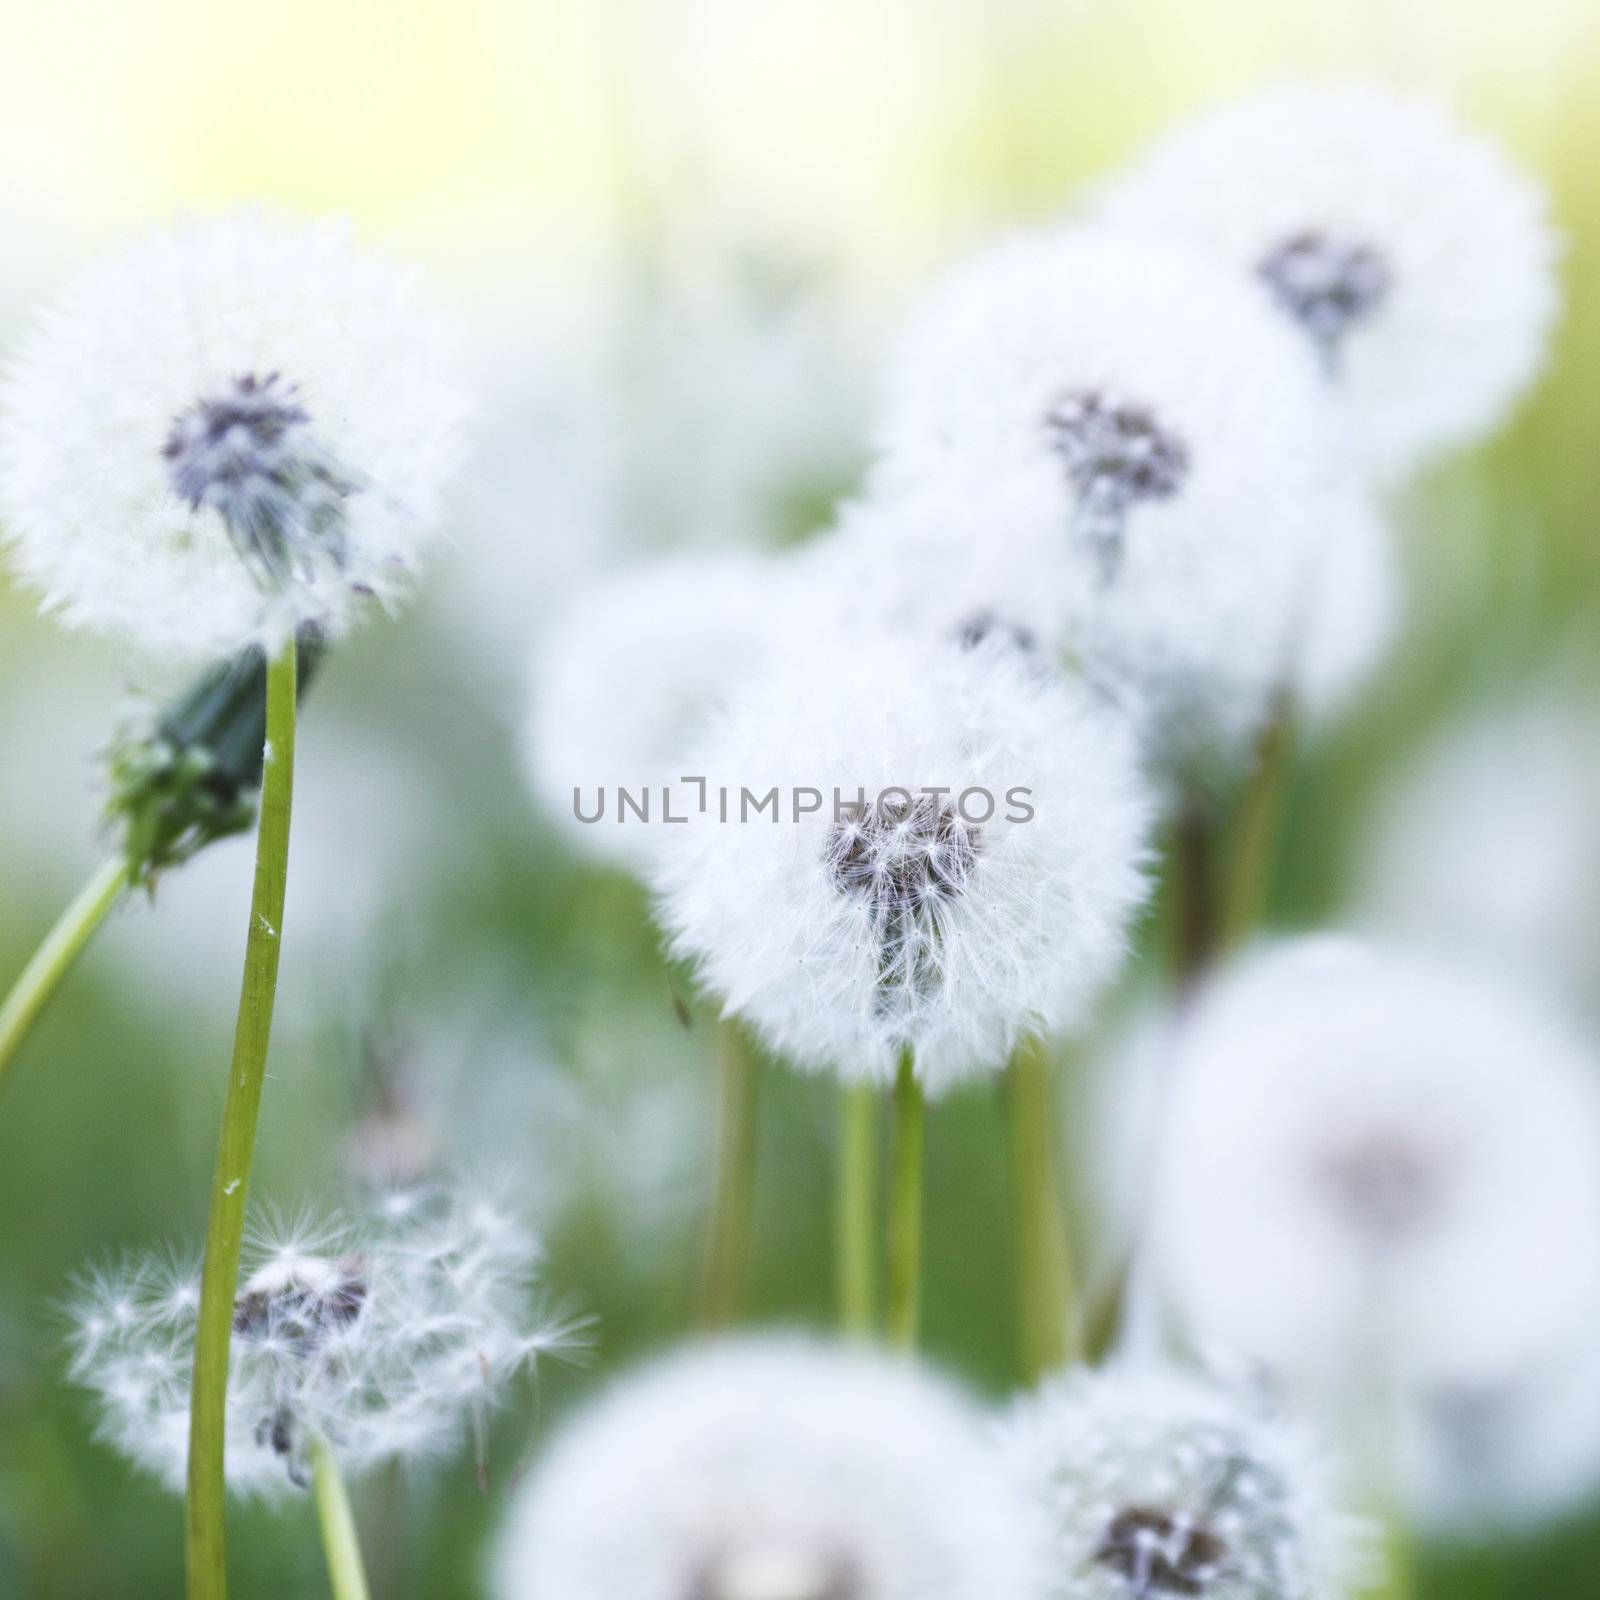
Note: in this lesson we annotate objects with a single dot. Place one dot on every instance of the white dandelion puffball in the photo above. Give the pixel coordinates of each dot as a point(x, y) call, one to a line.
point(224, 431)
point(1146, 1481)
point(1485, 846)
point(1121, 417)
point(1378, 1171)
point(387, 1337)
point(626, 682)
point(953, 863)
point(768, 1468)
point(1417, 261)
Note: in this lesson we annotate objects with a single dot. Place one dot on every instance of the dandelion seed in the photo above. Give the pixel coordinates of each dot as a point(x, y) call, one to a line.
point(768, 1469)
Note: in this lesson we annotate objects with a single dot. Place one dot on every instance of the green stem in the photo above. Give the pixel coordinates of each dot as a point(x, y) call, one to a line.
point(1256, 831)
point(905, 1209)
point(1197, 919)
point(855, 1238)
point(53, 960)
point(346, 1575)
point(726, 1267)
point(1046, 1297)
point(1399, 1560)
point(230, 1185)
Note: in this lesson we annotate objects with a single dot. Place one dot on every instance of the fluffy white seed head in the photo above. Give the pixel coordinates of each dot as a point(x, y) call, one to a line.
point(1485, 847)
point(1378, 1173)
point(389, 1337)
point(768, 1469)
point(913, 914)
point(1413, 257)
point(1124, 419)
point(226, 430)
point(626, 683)
point(1148, 1482)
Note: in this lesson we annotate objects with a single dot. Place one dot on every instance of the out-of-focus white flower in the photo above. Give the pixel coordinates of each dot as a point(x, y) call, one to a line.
point(1486, 847)
point(1121, 418)
point(625, 684)
point(388, 1337)
point(224, 431)
point(768, 1469)
point(953, 862)
point(1378, 1173)
point(1147, 1481)
point(715, 400)
point(1416, 259)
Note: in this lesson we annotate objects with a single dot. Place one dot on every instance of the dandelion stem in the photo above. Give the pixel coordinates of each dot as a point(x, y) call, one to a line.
point(207, 1562)
point(346, 1574)
point(53, 960)
point(905, 1209)
point(1256, 830)
point(730, 1222)
point(1046, 1296)
point(1197, 925)
point(855, 1237)
point(1399, 1560)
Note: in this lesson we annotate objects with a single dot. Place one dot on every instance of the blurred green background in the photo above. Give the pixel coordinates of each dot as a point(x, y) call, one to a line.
point(434, 920)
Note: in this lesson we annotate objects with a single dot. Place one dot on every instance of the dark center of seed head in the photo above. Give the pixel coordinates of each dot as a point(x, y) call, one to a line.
point(1158, 1553)
point(902, 856)
point(248, 452)
point(1328, 283)
point(1384, 1184)
point(299, 1315)
point(776, 1574)
point(1116, 453)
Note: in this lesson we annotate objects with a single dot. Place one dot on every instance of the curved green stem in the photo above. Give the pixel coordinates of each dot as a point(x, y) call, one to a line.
point(1045, 1291)
point(53, 960)
point(346, 1574)
point(904, 1293)
point(730, 1223)
point(230, 1185)
point(855, 1238)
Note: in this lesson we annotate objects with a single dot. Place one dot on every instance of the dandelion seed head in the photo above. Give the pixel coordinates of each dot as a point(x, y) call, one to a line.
point(387, 1335)
point(1111, 441)
point(1354, 1131)
point(768, 1468)
point(933, 912)
point(1147, 1483)
point(1415, 259)
point(226, 431)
